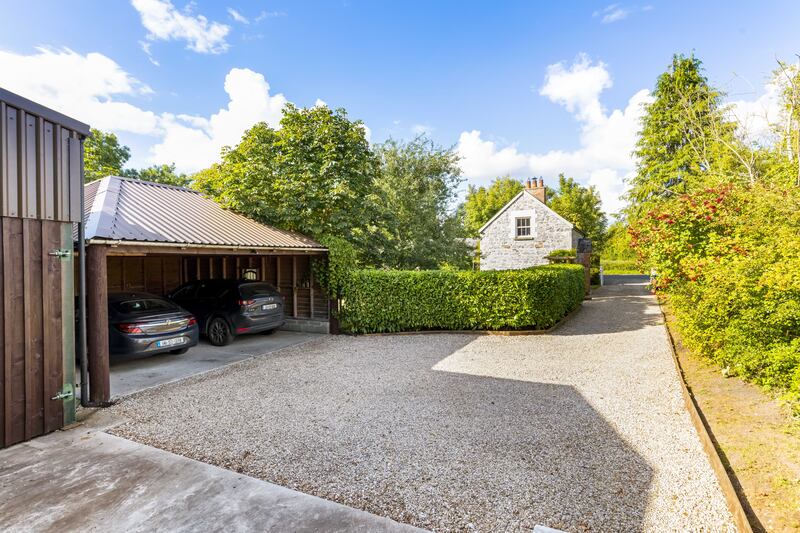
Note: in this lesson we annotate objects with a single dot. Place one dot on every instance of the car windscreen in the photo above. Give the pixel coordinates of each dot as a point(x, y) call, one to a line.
point(256, 290)
point(142, 305)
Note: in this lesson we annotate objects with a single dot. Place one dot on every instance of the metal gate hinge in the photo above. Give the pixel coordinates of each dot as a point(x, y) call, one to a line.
point(66, 394)
point(60, 253)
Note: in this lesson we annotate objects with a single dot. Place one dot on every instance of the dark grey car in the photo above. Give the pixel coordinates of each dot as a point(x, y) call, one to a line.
point(141, 323)
point(226, 308)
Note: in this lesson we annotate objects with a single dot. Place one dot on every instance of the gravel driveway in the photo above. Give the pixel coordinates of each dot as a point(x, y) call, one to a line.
point(582, 430)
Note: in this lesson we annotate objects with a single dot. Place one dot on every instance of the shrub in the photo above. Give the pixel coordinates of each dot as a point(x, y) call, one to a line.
point(621, 266)
point(567, 252)
point(389, 301)
point(728, 258)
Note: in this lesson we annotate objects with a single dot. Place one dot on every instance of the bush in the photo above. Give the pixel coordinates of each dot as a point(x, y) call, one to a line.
point(728, 259)
point(623, 266)
point(388, 301)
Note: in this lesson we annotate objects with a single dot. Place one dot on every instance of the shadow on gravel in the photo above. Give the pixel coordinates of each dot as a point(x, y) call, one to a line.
point(544, 456)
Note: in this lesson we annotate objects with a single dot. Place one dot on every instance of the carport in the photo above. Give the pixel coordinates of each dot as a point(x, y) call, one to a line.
point(150, 237)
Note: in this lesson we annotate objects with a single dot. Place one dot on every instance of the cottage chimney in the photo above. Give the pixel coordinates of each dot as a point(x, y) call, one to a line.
point(536, 187)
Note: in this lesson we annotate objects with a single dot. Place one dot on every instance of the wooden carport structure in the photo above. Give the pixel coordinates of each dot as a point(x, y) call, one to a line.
point(149, 237)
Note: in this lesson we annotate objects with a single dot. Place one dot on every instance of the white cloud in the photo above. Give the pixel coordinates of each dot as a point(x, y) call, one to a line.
point(145, 46)
point(319, 102)
point(194, 142)
point(422, 129)
point(578, 87)
point(607, 139)
point(238, 17)
point(90, 88)
point(611, 13)
point(86, 87)
point(269, 14)
point(758, 118)
point(165, 22)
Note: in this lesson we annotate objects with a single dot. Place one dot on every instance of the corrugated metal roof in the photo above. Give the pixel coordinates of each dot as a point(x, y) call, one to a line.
point(123, 209)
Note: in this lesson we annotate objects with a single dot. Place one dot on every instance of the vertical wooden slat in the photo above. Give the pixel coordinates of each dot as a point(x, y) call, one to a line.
point(294, 285)
point(22, 161)
point(30, 176)
point(51, 313)
point(75, 182)
point(63, 175)
point(3, 381)
point(32, 302)
point(14, 325)
point(10, 167)
point(311, 289)
point(48, 171)
point(3, 165)
point(97, 321)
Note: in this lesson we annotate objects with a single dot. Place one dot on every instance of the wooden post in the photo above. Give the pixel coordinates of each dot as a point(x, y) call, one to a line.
point(294, 285)
point(97, 323)
point(311, 288)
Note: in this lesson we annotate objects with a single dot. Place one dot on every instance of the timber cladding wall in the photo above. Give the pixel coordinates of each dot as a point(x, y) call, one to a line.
point(291, 275)
point(36, 338)
point(41, 158)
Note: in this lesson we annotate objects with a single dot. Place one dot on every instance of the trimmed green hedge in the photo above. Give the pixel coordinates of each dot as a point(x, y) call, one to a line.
point(376, 301)
point(622, 266)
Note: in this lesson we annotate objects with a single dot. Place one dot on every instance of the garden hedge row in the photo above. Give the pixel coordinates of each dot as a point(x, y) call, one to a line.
point(374, 301)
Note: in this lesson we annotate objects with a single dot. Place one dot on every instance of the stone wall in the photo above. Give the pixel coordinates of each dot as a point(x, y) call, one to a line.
point(501, 250)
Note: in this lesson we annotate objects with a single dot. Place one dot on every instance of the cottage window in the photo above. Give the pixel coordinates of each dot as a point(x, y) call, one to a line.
point(523, 227)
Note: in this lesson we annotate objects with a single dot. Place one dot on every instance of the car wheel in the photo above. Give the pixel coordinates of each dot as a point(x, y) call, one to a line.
point(179, 351)
point(219, 333)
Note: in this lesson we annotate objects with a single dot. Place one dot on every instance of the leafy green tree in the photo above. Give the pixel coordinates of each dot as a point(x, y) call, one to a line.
point(314, 175)
point(618, 242)
point(685, 142)
point(417, 187)
point(482, 203)
point(581, 206)
point(159, 174)
point(103, 156)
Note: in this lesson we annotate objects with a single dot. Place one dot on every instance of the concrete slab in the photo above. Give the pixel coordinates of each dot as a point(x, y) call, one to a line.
point(92, 481)
point(130, 375)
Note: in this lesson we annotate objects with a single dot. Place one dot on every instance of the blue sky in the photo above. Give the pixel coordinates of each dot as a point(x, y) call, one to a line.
point(521, 87)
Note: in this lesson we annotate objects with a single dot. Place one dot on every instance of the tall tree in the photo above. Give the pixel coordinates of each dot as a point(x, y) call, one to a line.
point(581, 206)
point(103, 156)
point(165, 174)
point(684, 134)
point(483, 202)
point(417, 186)
point(314, 175)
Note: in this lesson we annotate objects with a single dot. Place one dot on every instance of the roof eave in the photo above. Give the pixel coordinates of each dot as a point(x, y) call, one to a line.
point(183, 245)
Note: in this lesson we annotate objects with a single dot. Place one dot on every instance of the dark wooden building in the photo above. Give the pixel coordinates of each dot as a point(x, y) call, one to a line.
point(143, 236)
point(41, 163)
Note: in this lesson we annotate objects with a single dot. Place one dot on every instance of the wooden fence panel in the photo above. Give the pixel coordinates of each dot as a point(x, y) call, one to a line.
point(33, 335)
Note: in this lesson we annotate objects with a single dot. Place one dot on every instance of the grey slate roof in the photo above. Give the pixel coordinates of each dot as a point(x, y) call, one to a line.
point(124, 209)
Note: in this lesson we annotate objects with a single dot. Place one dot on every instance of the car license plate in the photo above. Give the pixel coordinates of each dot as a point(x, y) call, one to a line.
point(170, 342)
point(269, 306)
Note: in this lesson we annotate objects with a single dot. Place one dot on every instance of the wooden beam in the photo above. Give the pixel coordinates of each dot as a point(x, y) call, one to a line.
point(144, 249)
point(311, 288)
point(97, 323)
point(294, 284)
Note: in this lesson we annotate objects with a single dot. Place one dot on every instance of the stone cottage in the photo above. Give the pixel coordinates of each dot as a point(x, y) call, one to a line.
point(525, 231)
